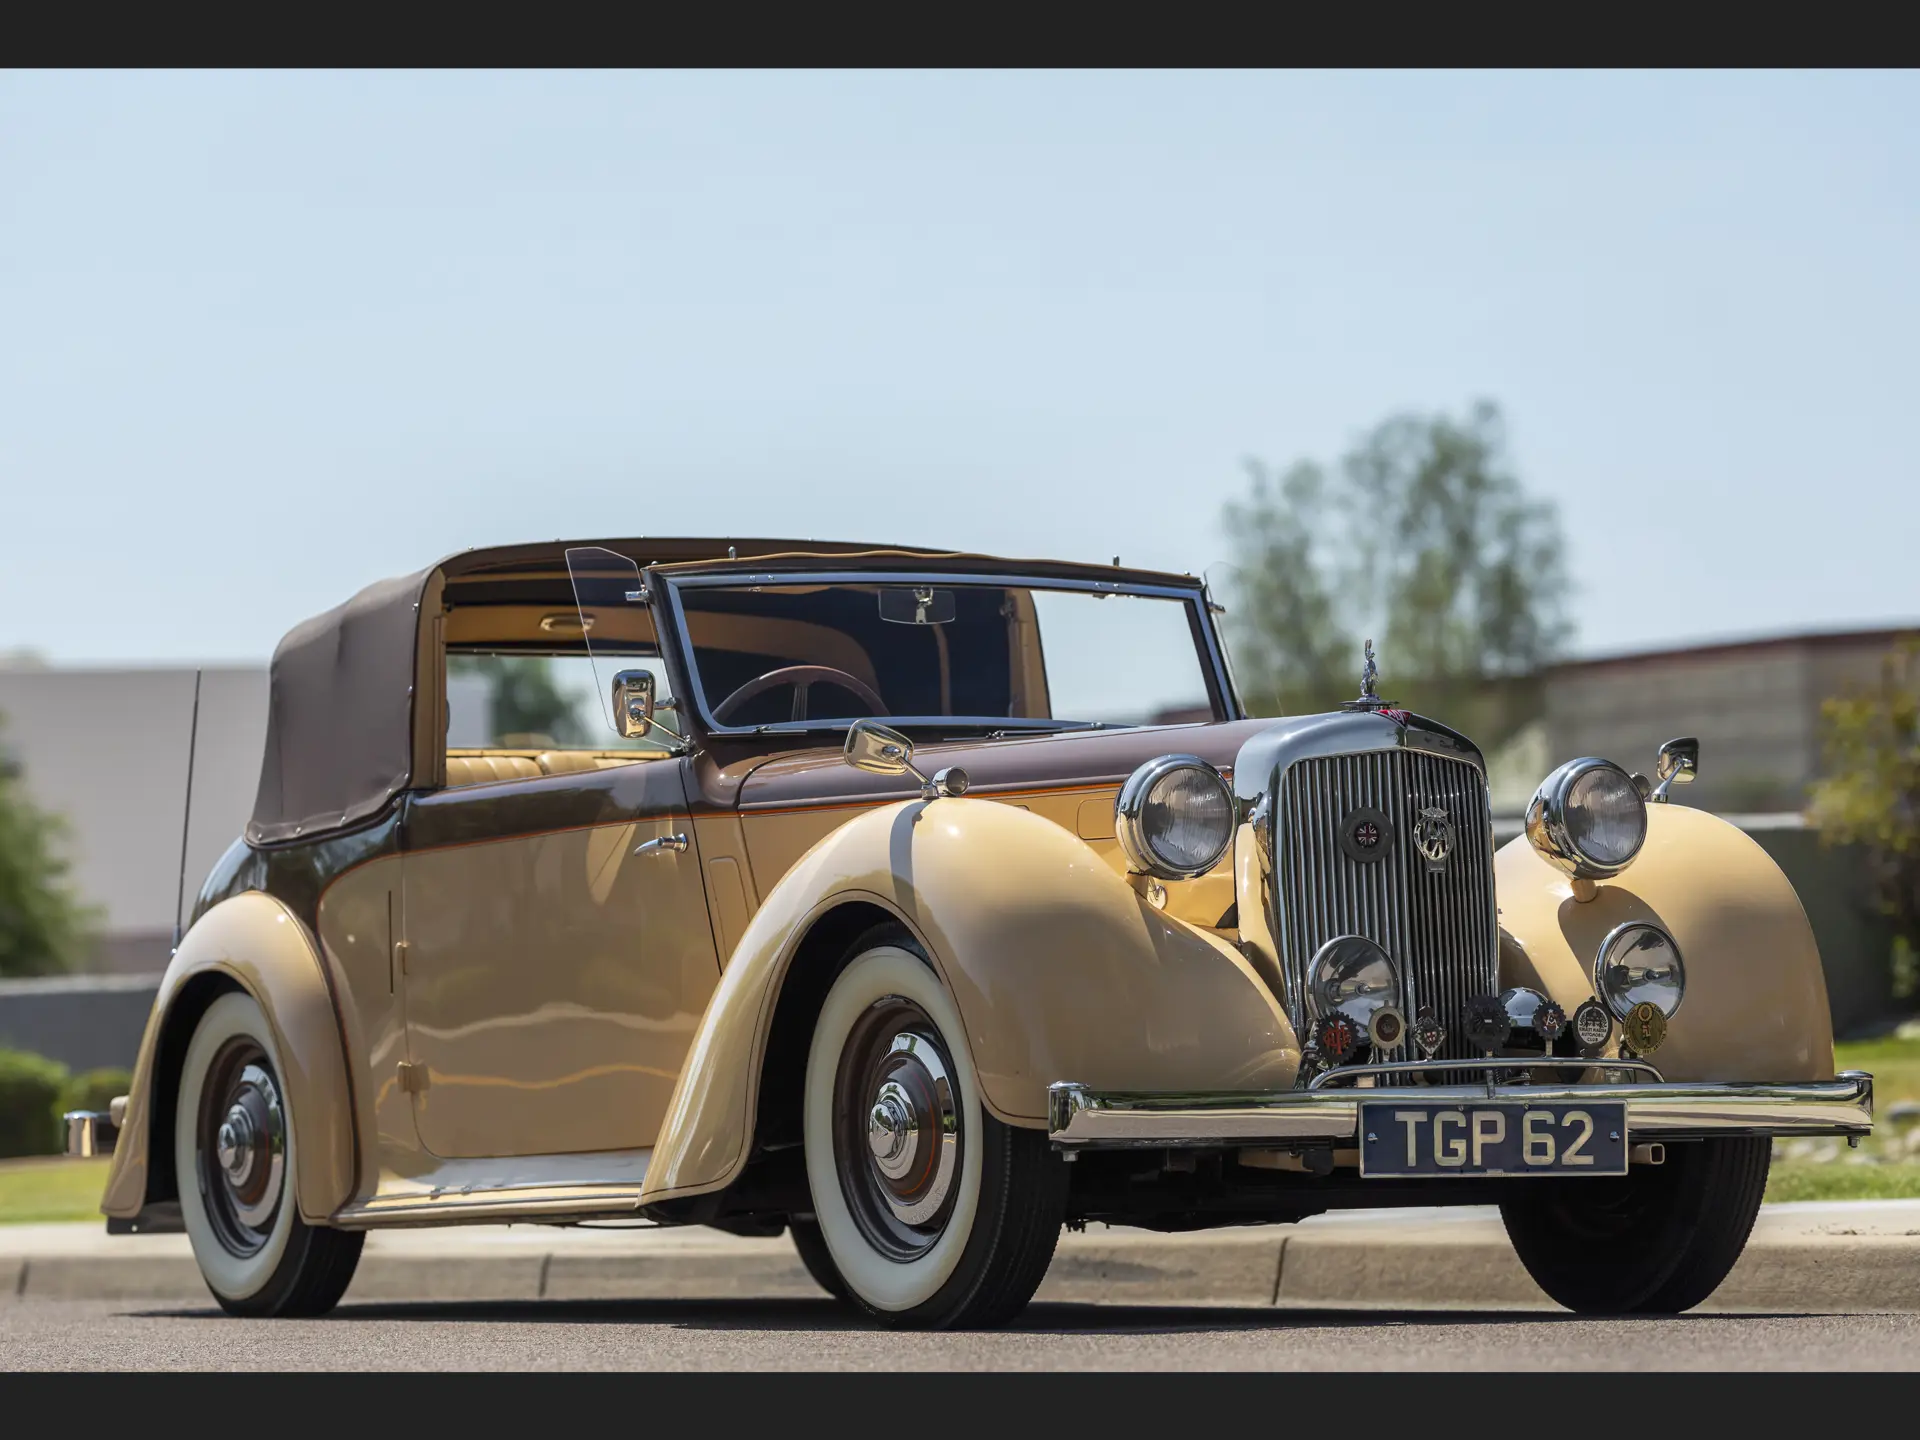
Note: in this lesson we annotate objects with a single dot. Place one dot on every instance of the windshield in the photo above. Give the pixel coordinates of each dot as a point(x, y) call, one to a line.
point(777, 654)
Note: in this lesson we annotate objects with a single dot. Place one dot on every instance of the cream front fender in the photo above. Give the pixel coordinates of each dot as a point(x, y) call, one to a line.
point(1756, 999)
point(251, 942)
point(1059, 970)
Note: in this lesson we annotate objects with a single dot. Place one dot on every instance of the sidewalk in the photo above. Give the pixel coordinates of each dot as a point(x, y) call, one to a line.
point(1859, 1255)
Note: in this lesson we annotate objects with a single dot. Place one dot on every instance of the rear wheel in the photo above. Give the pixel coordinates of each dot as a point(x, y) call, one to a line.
point(933, 1213)
point(234, 1156)
point(1657, 1240)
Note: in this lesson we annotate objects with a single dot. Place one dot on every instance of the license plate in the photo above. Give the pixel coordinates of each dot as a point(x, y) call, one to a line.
point(1496, 1138)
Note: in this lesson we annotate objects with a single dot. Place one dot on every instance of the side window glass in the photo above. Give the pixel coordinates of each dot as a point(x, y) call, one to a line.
point(518, 701)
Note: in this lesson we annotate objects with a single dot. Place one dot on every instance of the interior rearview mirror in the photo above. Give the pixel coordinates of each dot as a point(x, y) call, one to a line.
point(633, 702)
point(872, 746)
point(917, 605)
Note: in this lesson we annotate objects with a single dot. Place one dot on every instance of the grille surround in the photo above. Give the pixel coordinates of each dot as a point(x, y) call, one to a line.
point(1441, 927)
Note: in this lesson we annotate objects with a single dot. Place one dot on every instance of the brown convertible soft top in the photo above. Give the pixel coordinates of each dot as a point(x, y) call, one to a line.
point(340, 714)
point(342, 728)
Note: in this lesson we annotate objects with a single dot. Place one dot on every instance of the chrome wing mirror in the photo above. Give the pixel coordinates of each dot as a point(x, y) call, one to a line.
point(1679, 762)
point(633, 702)
point(875, 748)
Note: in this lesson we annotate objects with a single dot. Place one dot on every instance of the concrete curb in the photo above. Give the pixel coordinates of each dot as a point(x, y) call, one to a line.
point(1860, 1259)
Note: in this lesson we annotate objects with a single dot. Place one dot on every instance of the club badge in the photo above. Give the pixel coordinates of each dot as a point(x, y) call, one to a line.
point(1433, 835)
point(1428, 1033)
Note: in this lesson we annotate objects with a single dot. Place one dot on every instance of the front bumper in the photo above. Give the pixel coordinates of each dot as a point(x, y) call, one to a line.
point(1079, 1118)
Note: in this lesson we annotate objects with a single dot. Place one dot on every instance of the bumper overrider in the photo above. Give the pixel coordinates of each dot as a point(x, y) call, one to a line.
point(1080, 1118)
point(95, 1132)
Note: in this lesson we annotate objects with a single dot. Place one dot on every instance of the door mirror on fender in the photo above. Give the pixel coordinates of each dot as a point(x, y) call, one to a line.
point(633, 702)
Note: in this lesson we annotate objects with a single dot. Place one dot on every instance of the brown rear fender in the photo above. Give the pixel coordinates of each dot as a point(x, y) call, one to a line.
point(1059, 969)
point(253, 943)
point(1755, 1006)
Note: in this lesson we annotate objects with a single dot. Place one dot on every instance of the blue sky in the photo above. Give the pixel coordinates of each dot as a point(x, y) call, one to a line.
point(265, 338)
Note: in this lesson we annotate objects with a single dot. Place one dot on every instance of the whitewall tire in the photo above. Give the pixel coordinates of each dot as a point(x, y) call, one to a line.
point(933, 1212)
point(235, 1159)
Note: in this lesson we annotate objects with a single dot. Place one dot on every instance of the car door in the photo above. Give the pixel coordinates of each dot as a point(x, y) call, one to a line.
point(554, 969)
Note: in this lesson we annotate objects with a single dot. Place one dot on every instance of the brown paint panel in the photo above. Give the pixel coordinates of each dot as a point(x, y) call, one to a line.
point(1048, 762)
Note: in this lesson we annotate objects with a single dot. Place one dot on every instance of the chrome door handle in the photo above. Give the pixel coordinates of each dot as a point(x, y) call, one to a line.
point(660, 843)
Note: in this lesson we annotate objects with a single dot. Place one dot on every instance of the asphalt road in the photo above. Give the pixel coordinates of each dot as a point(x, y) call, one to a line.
point(815, 1335)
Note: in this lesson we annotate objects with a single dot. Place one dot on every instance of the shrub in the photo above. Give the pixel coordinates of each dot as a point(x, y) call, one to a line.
point(31, 1087)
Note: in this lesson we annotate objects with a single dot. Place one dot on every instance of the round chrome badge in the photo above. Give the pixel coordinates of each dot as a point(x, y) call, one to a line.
point(1366, 834)
point(1592, 1027)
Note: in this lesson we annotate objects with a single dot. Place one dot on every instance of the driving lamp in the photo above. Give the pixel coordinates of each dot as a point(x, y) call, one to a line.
point(1174, 817)
point(1351, 975)
point(1588, 819)
point(1638, 964)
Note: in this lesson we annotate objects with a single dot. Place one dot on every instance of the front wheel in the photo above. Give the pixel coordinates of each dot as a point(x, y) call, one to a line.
point(1657, 1240)
point(234, 1157)
point(935, 1214)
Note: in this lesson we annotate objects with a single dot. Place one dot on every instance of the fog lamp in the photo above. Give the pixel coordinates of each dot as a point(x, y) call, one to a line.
point(1639, 962)
point(1353, 975)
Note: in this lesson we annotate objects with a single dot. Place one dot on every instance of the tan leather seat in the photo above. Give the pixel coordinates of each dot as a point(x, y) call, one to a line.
point(483, 769)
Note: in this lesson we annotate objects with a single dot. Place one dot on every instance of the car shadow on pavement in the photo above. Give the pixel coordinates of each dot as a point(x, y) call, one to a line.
point(1051, 1318)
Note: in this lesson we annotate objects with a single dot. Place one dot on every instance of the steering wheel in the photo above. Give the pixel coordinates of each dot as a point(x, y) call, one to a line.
point(802, 678)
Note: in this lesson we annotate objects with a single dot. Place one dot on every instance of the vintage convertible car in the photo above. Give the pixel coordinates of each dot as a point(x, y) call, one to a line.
point(918, 904)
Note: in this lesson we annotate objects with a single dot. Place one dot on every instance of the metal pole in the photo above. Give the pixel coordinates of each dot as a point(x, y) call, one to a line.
point(186, 818)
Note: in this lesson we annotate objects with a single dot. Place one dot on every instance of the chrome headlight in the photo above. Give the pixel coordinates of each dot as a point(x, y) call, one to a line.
point(1174, 817)
point(1353, 975)
point(1639, 962)
point(1588, 818)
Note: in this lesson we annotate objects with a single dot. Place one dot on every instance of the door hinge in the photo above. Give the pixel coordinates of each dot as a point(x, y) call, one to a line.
point(413, 1077)
point(400, 955)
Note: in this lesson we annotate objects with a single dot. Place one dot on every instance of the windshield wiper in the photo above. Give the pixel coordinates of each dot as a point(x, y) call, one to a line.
point(1048, 728)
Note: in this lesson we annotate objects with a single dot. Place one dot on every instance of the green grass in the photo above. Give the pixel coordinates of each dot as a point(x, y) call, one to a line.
point(1798, 1175)
point(33, 1191)
point(1894, 1065)
point(1836, 1180)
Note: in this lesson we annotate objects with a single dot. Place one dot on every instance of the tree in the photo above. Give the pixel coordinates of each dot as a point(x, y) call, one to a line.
point(1869, 796)
point(528, 705)
point(1420, 538)
point(44, 926)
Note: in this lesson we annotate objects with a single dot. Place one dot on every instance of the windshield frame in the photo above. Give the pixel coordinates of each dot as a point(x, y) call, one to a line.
point(695, 708)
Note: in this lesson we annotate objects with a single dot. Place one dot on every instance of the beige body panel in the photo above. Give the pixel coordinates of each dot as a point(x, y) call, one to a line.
point(1756, 998)
point(359, 919)
point(552, 989)
point(255, 942)
point(1059, 969)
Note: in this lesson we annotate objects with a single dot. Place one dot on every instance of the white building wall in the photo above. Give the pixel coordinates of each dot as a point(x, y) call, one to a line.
point(107, 749)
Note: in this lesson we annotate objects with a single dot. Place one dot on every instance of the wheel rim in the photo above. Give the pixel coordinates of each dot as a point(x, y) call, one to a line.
point(898, 1138)
point(241, 1149)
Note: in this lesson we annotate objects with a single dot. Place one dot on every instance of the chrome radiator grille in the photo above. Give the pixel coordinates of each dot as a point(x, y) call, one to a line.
point(1439, 925)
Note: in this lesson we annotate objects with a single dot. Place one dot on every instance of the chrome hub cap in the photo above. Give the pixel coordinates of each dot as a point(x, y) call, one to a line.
point(899, 1138)
point(243, 1147)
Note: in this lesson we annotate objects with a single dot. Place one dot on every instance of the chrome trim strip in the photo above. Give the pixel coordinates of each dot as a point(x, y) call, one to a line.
point(1211, 654)
point(1490, 1067)
point(1082, 1119)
